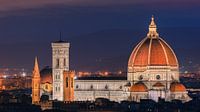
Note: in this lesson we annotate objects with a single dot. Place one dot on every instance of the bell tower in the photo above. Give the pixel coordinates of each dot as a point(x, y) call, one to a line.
point(60, 63)
point(36, 83)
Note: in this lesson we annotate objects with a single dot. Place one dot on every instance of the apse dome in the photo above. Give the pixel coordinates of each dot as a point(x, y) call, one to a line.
point(139, 87)
point(177, 87)
point(152, 51)
point(46, 75)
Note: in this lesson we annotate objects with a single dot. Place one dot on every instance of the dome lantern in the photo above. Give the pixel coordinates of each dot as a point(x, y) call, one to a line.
point(152, 29)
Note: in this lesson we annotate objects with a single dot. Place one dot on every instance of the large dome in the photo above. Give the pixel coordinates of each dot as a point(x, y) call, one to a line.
point(152, 51)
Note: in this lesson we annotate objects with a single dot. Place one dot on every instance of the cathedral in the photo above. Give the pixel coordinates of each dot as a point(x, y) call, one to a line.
point(152, 73)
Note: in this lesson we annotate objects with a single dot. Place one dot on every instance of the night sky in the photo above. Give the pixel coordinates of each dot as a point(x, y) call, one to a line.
point(102, 33)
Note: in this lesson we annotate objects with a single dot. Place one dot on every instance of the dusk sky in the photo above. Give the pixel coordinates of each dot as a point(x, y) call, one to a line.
point(102, 33)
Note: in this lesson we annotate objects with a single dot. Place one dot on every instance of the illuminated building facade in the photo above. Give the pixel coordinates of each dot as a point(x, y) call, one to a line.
point(60, 63)
point(153, 73)
point(153, 70)
point(90, 88)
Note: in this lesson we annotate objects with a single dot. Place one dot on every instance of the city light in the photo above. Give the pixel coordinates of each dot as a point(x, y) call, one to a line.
point(75, 77)
point(4, 76)
point(23, 74)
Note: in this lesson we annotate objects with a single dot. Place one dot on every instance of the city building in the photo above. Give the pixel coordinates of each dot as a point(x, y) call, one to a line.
point(153, 70)
point(152, 73)
point(60, 63)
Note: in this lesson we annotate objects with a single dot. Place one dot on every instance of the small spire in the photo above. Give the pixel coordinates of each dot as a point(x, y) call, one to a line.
point(152, 22)
point(36, 70)
point(152, 29)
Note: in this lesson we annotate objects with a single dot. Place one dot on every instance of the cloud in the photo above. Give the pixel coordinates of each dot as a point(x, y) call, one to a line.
point(7, 5)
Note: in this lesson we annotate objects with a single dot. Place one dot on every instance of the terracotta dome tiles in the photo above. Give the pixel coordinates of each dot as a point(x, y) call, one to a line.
point(153, 52)
point(157, 55)
point(141, 57)
point(177, 87)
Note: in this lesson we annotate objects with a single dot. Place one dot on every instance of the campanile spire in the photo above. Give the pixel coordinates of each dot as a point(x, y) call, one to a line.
point(36, 69)
point(36, 83)
point(152, 29)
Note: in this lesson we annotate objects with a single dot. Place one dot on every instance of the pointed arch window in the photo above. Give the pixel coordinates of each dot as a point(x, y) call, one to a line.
point(72, 83)
point(64, 63)
point(67, 82)
point(106, 87)
point(57, 63)
point(91, 87)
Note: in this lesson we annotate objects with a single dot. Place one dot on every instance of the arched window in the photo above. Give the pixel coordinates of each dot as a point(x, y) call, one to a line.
point(57, 63)
point(58, 88)
point(64, 63)
point(67, 82)
point(106, 87)
point(72, 83)
point(91, 87)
